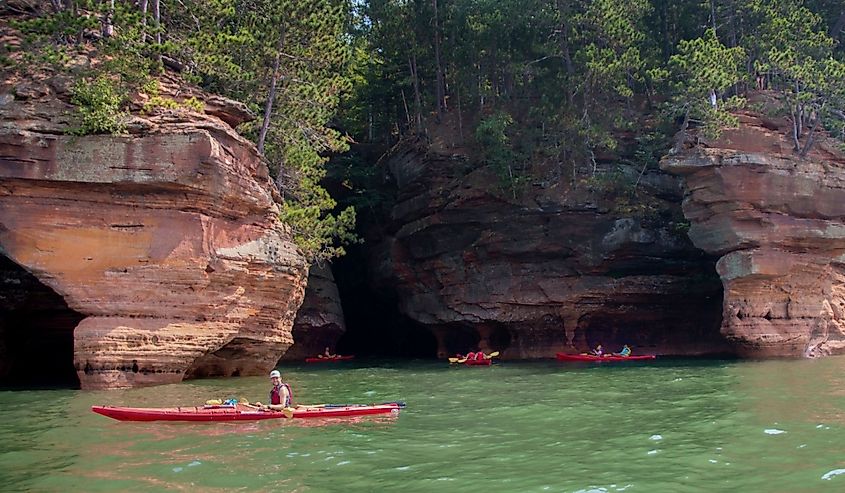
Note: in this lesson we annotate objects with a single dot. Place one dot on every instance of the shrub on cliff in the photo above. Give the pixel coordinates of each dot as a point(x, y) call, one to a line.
point(99, 104)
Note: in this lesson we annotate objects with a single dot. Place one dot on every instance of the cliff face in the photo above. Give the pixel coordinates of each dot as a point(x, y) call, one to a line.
point(552, 271)
point(776, 220)
point(165, 240)
point(319, 322)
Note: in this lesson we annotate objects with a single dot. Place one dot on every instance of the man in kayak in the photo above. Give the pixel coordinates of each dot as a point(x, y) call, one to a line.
point(327, 354)
point(280, 395)
point(625, 352)
point(598, 351)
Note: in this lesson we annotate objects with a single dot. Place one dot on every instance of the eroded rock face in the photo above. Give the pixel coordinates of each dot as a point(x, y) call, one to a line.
point(167, 240)
point(556, 270)
point(776, 220)
point(319, 322)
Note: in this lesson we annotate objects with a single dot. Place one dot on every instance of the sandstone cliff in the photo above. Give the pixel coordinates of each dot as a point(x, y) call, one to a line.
point(556, 270)
point(165, 240)
point(776, 220)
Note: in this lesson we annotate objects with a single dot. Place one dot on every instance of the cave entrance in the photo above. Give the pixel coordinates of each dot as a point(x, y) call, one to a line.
point(374, 325)
point(36, 332)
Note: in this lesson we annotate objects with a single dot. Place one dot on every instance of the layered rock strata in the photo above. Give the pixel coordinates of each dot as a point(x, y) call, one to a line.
point(559, 269)
point(166, 240)
point(778, 223)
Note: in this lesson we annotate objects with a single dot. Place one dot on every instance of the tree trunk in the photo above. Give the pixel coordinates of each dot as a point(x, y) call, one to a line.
point(412, 63)
point(271, 95)
point(713, 14)
point(157, 17)
point(142, 4)
point(811, 137)
point(460, 115)
point(407, 113)
point(440, 90)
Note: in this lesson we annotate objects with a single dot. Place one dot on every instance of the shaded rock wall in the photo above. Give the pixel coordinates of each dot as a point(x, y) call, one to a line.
point(776, 220)
point(167, 240)
point(319, 322)
point(557, 270)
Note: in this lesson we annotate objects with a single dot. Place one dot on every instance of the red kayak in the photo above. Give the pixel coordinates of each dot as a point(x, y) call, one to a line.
point(478, 362)
point(328, 360)
point(591, 357)
point(240, 412)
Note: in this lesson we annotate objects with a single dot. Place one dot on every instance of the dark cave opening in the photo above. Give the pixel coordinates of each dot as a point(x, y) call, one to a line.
point(374, 325)
point(36, 332)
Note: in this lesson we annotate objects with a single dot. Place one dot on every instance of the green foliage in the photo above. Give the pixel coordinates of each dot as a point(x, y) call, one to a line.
point(498, 152)
point(233, 45)
point(318, 235)
point(99, 105)
point(797, 54)
point(703, 70)
point(228, 47)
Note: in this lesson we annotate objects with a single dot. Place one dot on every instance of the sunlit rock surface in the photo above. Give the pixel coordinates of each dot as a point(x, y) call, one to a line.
point(166, 240)
point(776, 220)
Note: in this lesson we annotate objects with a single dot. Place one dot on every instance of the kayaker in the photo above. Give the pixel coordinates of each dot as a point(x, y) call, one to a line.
point(327, 354)
point(281, 395)
point(625, 352)
point(598, 351)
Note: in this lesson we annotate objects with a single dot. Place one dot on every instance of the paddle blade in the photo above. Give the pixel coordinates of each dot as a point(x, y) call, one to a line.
point(453, 360)
point(493, 354)
point(288, 412)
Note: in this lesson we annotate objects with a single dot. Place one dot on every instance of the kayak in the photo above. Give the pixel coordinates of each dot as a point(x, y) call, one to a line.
point(240, 412)
point(478, 362)
point(327, 360)
point(592, 357)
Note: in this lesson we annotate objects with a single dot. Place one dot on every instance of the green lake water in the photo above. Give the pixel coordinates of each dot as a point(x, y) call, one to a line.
point(664, 426)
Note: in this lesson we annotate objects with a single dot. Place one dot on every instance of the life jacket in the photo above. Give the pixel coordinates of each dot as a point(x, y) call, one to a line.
point(276, 395)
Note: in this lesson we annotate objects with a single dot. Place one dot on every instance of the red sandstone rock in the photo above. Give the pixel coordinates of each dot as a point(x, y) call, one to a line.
point(167, 240)
point(777, 221)
point(554, 270)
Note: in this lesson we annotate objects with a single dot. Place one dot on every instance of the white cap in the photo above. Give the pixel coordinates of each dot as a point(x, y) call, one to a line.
point(275, 373)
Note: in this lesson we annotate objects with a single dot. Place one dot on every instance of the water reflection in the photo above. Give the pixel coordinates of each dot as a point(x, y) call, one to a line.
point(808, 391)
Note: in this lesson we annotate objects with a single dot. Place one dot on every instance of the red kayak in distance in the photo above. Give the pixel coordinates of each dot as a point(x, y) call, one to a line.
point(329, 360)
point(592, 357)
point(478, 362)
point(240, 412)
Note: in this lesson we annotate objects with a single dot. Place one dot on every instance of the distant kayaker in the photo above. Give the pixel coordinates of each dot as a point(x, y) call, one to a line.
point(625, 352)
point(598, 351)
point(327, 354)
point(476, 356)
point(281, 395)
